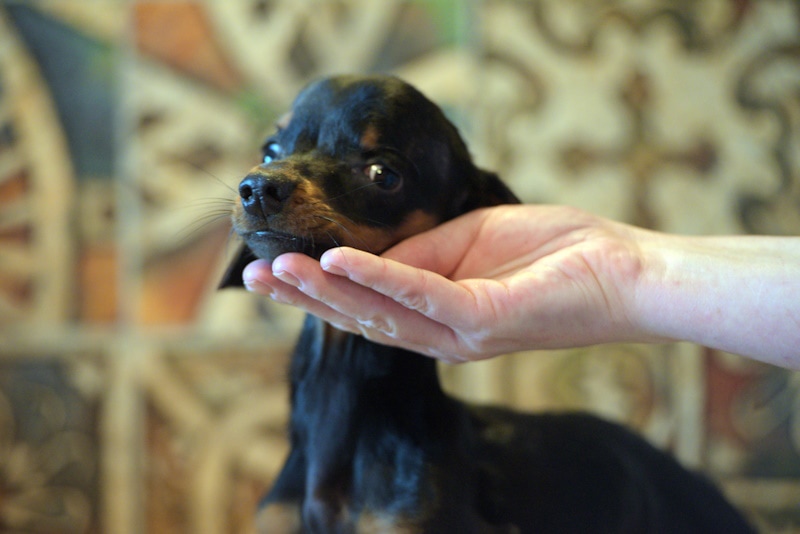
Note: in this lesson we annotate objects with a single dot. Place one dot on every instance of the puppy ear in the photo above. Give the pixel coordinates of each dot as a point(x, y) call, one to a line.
point(486, 189)
point(495, 190)
point(233, 275)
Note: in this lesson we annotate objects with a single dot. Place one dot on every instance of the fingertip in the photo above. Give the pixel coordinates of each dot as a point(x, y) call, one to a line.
point(416, 251)
point(255, 270)
point(335, 261)
point(254, 275)
point(281, 263)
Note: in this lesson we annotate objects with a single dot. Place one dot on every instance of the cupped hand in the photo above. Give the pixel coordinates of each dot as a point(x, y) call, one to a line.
point(492, 281)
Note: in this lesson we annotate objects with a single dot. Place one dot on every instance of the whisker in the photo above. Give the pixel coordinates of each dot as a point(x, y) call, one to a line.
point(204, 206)
point(333, 238)
point(197, 227)
point(351, 221)
point(208, 201)
point(205, 171)
point(378, 223)
point(211, 210)
point(359, 188)
point(364, 245)
point(232, 239)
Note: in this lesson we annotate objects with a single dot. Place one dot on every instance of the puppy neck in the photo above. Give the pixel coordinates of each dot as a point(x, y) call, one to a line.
point(331, 354)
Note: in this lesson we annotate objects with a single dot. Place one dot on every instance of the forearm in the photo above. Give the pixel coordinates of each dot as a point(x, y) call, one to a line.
point(737, 294)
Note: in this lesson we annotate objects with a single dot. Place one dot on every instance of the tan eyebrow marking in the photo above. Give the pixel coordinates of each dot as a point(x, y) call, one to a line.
point(284, 121)
point(370, 138)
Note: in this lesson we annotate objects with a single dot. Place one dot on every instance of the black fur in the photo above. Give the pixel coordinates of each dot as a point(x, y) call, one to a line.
point(376, 445)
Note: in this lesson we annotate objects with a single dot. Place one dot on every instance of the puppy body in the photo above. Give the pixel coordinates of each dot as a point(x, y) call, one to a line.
point(376, 445)
point(388, 449)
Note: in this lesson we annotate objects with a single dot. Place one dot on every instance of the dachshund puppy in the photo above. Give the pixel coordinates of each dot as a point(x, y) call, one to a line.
point(376, 445)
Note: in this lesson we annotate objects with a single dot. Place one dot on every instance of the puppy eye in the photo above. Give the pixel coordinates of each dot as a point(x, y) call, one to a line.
point(272, 151)
point(382, 177)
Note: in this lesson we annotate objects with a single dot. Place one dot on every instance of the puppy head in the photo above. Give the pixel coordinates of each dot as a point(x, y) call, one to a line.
point(359, 161)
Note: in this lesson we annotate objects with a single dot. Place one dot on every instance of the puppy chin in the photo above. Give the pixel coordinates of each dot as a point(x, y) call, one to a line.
point(269, 247)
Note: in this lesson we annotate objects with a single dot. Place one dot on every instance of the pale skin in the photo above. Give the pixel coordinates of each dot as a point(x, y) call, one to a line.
point(527, 277)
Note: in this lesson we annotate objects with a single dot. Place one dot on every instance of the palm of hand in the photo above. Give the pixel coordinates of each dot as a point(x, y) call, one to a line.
point(538, 280)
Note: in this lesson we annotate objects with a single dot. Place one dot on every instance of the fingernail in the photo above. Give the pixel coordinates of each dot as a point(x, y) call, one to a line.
point(254, 285)
point(287, 278)
point(326, 262)
point(334, 269)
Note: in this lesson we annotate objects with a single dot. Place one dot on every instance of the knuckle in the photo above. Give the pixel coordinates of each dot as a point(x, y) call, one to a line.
point(377, 323)
point(449, 358)
point(347, 327)
point(415, 301)
point(414, 295)
point(291, 298)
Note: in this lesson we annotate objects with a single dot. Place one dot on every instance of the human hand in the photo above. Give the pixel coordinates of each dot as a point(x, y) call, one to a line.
point(489, 282)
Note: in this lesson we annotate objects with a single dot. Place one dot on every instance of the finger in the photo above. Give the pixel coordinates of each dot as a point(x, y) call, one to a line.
point(376, 316)
point(350, 304)
point(442, 248)
point(259, 278)
point(324, 296)
point(430, 294)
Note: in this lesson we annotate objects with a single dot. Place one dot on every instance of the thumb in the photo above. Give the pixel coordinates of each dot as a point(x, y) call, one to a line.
point(440, 249)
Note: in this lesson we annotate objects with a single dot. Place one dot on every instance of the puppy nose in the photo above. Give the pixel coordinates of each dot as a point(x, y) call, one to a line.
point(263, 196)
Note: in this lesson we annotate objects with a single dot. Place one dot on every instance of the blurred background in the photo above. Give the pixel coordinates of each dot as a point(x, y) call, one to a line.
point(134, 397)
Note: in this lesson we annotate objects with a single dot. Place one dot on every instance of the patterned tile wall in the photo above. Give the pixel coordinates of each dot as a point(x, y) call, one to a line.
point(128, 384)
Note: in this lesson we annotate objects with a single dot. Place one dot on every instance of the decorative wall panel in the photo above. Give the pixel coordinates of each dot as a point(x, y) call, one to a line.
point(134, 397)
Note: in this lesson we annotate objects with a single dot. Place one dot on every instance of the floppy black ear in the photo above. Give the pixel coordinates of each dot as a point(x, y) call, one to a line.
point(233, 275)
point(486, 189)
point(495, 191)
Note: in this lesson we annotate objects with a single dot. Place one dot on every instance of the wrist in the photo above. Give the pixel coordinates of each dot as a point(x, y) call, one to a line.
point(736, 294)
point(669, 297)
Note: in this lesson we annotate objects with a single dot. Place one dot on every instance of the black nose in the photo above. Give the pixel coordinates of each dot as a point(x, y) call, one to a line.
point(263, 196)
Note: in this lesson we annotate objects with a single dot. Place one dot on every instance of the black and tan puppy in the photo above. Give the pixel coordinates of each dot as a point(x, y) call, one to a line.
point(376, 446)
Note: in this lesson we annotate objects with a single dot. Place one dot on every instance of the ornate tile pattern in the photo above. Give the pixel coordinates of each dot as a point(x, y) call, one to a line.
point(134, 397)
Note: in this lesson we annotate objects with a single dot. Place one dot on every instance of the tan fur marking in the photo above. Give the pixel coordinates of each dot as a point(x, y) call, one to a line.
point(370, 138)
point(279, 518)
point(369, 523)
point(378, 239)
point(308, 214)
point(284, 121)
point(304, 214)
